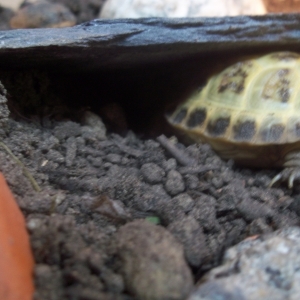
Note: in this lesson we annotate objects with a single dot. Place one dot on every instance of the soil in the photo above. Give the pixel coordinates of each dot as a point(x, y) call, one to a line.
point(92, 184)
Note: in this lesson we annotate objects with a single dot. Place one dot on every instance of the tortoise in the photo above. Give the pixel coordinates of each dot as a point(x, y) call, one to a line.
point(250, 112)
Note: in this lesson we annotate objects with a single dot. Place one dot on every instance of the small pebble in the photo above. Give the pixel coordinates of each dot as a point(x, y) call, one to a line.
point(55, 156)
point(49, 142)
point(191, 181)
point(184, 201)
point(70, 151)
point(125, 160)
point(217, 182)
point(113, 158)
point(152, 173)
point(189, 232)
point(175, 183)
point(170, 164)
point(94, 121)
point(67, 129)
point(95, 161)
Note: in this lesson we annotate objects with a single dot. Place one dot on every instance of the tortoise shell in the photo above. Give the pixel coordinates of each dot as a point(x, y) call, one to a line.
point(249, 112)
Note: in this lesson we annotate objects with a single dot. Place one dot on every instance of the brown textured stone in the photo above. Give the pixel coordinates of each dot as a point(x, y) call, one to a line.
point(41, 14)
point(277, 6)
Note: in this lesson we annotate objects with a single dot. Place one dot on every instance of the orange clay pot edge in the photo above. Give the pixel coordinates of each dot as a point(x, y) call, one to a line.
point(16, 259)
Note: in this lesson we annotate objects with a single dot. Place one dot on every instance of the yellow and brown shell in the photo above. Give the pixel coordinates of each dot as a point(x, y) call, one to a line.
point(249, 112)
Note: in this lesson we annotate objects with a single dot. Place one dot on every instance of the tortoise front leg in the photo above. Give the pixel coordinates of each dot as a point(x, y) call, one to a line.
point(291, 171)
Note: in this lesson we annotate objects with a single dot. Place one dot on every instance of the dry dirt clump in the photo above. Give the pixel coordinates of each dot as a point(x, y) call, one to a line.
point(94, 188)
point(152, 257)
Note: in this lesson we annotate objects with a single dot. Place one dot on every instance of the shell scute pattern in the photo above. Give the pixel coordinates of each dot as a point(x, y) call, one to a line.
point(234, 78)
point(218, 126)
point(197, 117)
point(244, 130)
point(252, 104)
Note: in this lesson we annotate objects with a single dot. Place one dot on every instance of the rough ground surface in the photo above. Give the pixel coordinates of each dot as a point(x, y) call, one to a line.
point(92, 184)
point(262, 267)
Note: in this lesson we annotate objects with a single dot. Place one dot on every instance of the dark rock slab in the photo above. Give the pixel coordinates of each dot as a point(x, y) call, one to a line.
point(133, 70)
point(114, 43)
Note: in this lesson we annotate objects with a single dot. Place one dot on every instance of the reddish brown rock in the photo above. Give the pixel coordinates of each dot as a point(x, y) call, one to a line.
point(278, 6)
